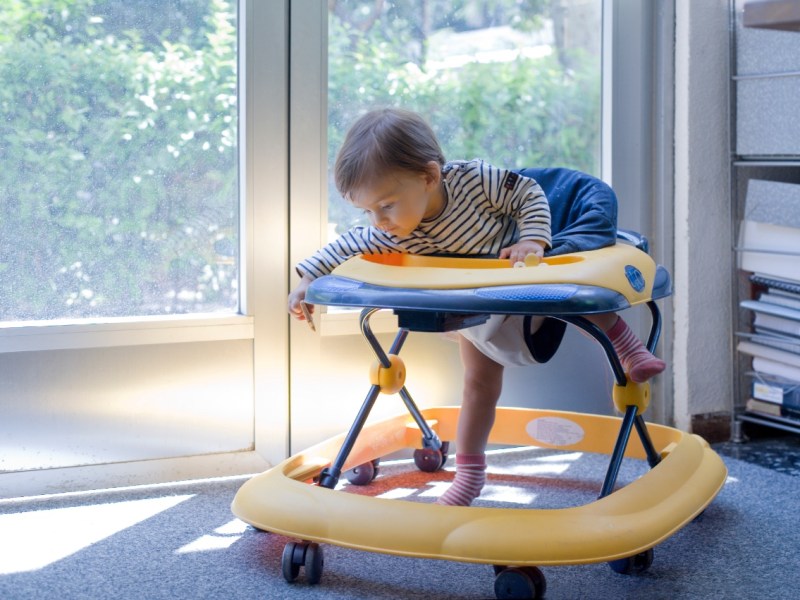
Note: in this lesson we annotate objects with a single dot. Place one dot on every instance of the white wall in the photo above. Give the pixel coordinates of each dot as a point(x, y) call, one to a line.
point(701, 360)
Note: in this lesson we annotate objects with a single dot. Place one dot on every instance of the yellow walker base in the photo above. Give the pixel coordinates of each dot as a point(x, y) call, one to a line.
point(628, 522)
point(443, 294)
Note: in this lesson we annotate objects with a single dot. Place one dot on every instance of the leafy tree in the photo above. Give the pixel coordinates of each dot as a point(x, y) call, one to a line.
point(119, 178)
point(118, 136)
point(520, 113)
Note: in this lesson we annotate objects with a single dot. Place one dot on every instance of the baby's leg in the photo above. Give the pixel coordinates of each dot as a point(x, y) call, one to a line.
point(483, 381)
point(636, 359)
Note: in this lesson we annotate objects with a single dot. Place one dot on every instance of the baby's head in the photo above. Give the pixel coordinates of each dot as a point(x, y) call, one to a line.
point(384, 141)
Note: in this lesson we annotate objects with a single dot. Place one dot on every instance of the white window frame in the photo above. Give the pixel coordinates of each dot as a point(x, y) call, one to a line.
point(636, 147)
point(290, 46)
point(264, 152)
point(626, 58)
point(16, 336)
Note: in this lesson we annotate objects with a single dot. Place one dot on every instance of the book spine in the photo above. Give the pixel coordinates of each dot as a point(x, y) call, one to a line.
point(786, 394)
point(781, 299)
point(772, 410)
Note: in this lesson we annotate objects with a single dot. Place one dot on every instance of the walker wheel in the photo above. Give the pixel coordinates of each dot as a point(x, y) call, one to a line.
point(638, 563)
point(519, 582)
point(299, 554)
point(428, 459)
point(314, 562)
point(289, 566)
point(362, 474)
point(444, 449)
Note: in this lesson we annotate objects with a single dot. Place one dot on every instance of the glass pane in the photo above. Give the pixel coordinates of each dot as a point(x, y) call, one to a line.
point(119, 184)
point(514, 83)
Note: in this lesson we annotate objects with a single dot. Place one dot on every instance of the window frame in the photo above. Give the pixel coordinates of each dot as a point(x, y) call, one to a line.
point(268, 62)
point(628, 171)
point(636, 140)
point(68, 334)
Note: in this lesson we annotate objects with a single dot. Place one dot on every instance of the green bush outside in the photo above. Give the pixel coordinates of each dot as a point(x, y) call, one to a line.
point(118, 191)
point(523, 113)
point(118, 144)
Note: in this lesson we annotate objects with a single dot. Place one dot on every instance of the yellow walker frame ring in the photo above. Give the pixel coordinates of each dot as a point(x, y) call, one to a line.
point(441, 294)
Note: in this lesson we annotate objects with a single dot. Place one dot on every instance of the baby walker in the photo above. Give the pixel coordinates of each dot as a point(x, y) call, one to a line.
point(296, 498)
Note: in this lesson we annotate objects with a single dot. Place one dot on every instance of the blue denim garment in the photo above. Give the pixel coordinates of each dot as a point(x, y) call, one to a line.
point(583, 209)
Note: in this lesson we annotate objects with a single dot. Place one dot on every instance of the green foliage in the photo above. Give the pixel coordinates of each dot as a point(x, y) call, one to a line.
point(118, 136)
point(521, 113)
point(119, 174)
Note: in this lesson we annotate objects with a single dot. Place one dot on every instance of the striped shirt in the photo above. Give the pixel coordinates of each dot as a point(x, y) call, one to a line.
point(487, 210)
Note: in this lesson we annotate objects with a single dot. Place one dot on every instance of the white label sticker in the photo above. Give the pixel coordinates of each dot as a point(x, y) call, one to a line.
point(771, 393)
point(555, 431)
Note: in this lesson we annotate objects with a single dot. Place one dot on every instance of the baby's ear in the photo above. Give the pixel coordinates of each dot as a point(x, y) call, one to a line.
point(433, 172)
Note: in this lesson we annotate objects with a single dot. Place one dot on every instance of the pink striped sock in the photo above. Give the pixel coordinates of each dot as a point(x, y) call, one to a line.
point(636, 359)
point(468, 482)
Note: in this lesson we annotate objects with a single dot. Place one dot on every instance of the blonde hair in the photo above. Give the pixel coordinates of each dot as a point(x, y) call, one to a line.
point(382, 141)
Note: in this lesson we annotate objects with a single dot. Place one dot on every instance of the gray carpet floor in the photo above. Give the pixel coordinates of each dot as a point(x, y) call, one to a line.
point(181, 541)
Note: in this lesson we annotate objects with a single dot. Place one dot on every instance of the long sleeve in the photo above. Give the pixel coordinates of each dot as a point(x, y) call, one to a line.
point(524, 200)
point(358, 240)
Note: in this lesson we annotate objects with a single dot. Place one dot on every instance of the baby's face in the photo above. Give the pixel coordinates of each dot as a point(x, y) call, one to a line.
point(397, 203)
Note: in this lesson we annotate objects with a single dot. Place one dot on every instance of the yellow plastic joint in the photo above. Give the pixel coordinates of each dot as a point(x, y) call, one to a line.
point(632, 394)
point(389, 379)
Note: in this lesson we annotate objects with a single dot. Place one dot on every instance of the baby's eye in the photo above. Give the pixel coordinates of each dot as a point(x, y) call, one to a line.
point(389, 206)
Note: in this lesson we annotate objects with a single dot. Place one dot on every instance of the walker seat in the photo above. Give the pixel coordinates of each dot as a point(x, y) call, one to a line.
point(296, 498)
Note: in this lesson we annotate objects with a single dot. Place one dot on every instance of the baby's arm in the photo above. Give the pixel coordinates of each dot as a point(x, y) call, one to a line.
point(522, 199)
point(358, 240)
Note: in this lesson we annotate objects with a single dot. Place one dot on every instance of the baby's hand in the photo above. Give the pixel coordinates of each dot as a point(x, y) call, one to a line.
point(517, 252)
point(297, 298)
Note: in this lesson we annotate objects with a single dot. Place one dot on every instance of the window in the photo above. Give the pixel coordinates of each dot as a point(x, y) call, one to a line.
point(515, 83)
point(119, 188)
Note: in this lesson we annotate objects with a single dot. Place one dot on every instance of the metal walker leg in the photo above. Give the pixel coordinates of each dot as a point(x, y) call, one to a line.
point(329, 476)
point(632, 417)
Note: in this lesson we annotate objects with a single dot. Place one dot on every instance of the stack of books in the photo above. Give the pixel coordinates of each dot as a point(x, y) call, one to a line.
point(770, 249)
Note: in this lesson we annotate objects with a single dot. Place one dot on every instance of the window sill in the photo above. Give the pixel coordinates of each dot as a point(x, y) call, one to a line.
point(69, 335)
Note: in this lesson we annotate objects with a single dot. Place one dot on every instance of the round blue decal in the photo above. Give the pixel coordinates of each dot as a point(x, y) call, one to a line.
point(635, 277)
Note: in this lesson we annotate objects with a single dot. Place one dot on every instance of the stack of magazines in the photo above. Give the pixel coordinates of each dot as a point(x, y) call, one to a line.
point(774, 344)
point(769, 249)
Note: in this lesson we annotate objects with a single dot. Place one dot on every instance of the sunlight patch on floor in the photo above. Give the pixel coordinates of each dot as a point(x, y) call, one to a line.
point(435, 489)
point(532, 469)
point(398, 493)
point(507, 494)
point(556, 464)
point(34, 539)
point(222, 538)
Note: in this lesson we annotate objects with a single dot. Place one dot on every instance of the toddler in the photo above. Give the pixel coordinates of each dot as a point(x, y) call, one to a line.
point(392, 167)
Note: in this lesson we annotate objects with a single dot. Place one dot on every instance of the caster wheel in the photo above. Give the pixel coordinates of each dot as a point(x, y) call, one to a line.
point(632, 565)
point(314, 563)
point(444, 450)
point(291, 560)
point(302, 554)
point(362, 474)
point(428, 459)
point(519, 582)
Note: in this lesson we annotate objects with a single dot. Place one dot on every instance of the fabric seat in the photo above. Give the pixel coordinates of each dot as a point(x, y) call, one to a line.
point(583, 213)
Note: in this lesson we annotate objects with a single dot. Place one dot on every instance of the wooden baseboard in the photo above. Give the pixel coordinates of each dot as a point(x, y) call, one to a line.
point(713, 427)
